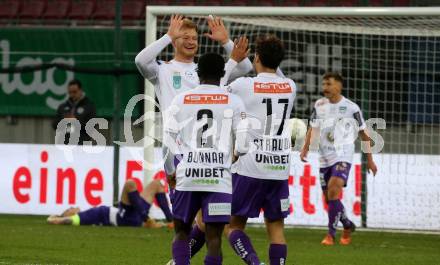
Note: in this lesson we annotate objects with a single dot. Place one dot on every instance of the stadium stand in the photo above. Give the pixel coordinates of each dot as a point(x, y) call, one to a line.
point(71, 12)
point(290, 2)
point(81, 9)
point(133, 10)
point(104, 10)
point(32, 9)
point(9, 9)
point(57, 9)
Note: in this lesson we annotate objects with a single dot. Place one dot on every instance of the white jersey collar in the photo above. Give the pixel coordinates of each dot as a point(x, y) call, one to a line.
point(340, 101)
point(206, 86)
point(182, 63)
point(265, 74)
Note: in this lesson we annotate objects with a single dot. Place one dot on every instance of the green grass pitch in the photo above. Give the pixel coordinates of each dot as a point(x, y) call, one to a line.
point(29, 240)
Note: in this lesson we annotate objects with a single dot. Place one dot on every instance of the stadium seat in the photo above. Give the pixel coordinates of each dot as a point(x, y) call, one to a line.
point(105, 10)
point(211, 2)
point(290, 2)
point(239, 3)
point(346, 3)
point(56, 9)
point(401, 2)
point(158, 2)
point(9, 9)
point(133, 10)
point(264, 3)
point(185, 3)
point(376, 3)
point(317, 3)
point(81, 9)
point(32, 9)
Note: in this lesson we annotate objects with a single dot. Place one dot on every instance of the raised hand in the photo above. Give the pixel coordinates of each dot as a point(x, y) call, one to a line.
point(372, 168)
point(241, 50)
point(175, 25)
point(303, 154)
point(217, 30)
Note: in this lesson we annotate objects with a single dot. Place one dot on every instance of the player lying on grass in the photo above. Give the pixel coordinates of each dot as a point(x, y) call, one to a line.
point(335, 122)
point(204, 121)
point(179, 75)
point(132, 210)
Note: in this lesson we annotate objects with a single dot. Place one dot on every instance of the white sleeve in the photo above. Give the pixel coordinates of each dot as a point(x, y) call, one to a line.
point(229, 67)
point(314, 122)
point(357, 115)
point(243, 67)
point(171, 132)
point(240, 125)
point(236, 86)
point(146, 59)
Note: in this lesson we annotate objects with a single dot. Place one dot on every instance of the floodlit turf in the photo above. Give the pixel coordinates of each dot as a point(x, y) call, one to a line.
point(28, 239)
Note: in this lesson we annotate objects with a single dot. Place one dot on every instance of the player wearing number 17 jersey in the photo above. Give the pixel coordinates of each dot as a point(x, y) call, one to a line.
point(200, 127)
point(261, 179)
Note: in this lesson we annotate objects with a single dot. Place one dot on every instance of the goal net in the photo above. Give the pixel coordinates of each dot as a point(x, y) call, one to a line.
point(390, 59)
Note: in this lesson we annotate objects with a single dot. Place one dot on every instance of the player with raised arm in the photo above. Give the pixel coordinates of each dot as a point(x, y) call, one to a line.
point(261, 179)
point(179, 74)
point(337, 121)
point(203, 121)
point(132, 210)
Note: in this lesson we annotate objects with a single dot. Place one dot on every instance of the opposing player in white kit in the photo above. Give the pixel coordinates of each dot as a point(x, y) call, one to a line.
point(202, 124)
point(337, 121)
point(261, 179)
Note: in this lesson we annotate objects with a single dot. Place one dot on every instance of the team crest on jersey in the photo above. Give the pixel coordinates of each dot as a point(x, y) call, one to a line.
point(272, 88)
point(342, 109)
point(330, 137)
point(189, 75)
point(206, 99)
point(177, 80)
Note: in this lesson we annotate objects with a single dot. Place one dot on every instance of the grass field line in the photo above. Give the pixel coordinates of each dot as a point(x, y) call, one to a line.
point(361, 229)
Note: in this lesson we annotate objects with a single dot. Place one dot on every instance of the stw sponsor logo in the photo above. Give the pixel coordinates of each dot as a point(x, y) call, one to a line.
point(272, 88)
point(206, 99)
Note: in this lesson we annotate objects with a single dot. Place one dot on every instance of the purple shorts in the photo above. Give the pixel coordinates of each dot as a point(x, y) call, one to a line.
point(250, 195)
point(95, 216)
point(339, 169)
point(216, 206)
point(135, 213)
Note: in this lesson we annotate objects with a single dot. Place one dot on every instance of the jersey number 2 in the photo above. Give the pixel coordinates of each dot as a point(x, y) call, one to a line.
point(207, 142)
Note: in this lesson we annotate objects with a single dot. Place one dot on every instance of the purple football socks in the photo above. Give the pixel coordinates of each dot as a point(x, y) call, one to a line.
point(241, 244)
point(277, 254)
